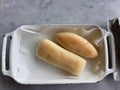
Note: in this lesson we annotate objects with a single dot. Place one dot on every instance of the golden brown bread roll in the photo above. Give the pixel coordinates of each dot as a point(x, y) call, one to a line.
point(58, 56)
point(76, 44)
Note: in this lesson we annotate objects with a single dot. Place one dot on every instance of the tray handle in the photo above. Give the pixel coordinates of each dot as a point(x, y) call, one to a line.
point(110, 53)
point(5, 38)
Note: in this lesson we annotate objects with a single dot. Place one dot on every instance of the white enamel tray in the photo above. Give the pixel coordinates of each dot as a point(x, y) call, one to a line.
point(26, 68)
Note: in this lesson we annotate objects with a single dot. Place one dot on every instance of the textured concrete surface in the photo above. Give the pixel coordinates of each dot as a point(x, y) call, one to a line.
point(14, 13)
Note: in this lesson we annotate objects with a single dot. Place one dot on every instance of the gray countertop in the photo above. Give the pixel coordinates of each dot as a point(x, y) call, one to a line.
point(14, 13)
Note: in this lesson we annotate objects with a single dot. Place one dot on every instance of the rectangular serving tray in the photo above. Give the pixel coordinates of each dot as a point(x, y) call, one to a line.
point(26, 68)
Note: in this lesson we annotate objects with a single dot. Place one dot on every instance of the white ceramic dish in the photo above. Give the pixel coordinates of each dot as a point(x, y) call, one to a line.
point(26, 68)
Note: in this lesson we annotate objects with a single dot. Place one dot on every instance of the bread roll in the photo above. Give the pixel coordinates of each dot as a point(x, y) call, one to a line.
point(76, 44)
point(58, 56)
